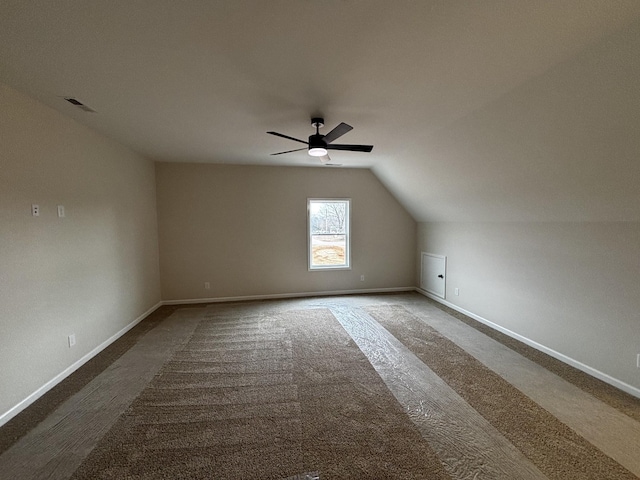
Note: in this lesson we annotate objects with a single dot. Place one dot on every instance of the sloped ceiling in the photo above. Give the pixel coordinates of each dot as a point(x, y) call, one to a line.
point(479, 111)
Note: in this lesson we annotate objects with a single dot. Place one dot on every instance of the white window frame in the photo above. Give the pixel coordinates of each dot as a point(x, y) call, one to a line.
point(347, 254)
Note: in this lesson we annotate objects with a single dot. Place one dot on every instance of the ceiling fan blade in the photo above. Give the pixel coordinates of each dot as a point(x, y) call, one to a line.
point(337, 132)
point(352, 148)
point(287, 136)
point(289, 151)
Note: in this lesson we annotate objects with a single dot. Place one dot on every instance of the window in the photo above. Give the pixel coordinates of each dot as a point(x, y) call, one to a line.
point(328, 227)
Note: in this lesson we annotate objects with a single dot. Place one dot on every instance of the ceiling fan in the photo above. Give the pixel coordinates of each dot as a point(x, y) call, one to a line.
point(318, 145)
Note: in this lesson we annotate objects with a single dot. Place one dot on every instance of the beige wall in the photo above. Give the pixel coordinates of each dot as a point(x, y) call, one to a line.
point(243, 229)
point(571, 287)
point(553, 170)
point(91, 273)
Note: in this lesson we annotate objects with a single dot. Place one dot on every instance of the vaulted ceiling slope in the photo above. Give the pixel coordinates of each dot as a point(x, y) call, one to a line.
point(488, 111)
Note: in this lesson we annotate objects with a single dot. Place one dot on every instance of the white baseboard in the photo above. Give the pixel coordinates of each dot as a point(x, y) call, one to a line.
point(288, 295)
point(625, 387)
point(16, 409)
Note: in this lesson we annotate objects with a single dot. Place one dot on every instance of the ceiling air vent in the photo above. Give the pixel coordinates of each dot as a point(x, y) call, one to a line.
point(79, 104)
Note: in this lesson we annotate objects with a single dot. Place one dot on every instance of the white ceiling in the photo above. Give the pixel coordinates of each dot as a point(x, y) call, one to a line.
point(429, 83)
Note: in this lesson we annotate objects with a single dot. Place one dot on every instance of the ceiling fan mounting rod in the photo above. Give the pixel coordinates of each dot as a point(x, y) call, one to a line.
point(317, 122)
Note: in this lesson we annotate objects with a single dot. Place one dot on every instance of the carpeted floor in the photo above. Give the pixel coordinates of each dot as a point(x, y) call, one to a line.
point(554, 448)
point(361, 387)
point(18, 426)
point(265, 397)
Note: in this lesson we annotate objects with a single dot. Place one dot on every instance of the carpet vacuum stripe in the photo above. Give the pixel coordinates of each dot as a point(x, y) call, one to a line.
point(553, 447)
point(221, 412)
point(600, 422)
point(604, 392)
point(354, 387)
point(468, 445)
point(238, 423)
point(353, 428)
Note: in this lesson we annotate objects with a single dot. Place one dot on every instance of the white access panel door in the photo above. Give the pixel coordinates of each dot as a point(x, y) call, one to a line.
point(433, 277)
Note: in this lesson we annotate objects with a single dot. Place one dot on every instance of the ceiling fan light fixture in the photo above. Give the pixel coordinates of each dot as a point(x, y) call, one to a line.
point(318, 145)
point(317, 151)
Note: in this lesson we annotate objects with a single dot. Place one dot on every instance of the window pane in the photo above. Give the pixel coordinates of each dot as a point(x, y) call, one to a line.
point(328, 217)
point(328, 250)
point(328, 233)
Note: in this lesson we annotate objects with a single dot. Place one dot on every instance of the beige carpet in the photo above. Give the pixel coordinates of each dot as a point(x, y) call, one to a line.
point(558, 451)
point(267, 397)
point(609, 394)
point(20, 425)
point(313, 389)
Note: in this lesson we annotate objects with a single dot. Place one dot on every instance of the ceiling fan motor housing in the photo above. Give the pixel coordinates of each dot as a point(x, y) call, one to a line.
point(317, 141)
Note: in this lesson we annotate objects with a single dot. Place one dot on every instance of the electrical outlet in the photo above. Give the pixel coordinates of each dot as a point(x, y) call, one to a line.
point(638, 361)
point(207, 285)
point(362, 278)
point(35, 210)
point(60, 211)
point(72, 340)
point(456, 291)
